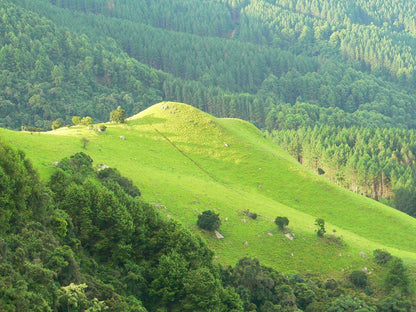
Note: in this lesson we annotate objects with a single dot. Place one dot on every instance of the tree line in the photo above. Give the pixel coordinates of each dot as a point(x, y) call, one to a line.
point(378, 163)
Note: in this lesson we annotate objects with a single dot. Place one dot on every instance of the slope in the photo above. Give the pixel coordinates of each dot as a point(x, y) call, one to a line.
point(186, 161)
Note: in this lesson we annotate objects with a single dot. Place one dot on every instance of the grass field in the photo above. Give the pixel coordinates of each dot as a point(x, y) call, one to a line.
point(186, 161)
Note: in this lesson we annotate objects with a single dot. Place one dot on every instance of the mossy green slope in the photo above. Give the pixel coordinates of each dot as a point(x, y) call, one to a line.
point(186, 161)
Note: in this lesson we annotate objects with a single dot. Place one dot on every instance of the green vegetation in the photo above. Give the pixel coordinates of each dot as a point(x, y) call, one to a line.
point(113, 250)
point(378, 163)
point(281, 222)
point(275, 63)
point(186, 162)
point(209, 221)
point(359, 279)
point(320, 227)
point(118, 115)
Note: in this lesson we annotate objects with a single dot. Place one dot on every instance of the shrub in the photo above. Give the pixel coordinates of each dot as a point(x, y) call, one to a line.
point(397, 276)
point(251, 215)
point(118, 115)
point(87, 120)
point(76, 120)
point(359, 279)
point(209, 220)
point(58, 123)
point(382, 257)
point(109, 175)
point(281, 222)
point(102, 128)
point(320, 230)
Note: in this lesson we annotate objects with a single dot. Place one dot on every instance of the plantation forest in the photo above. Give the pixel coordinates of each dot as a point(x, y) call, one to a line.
point(333, 82)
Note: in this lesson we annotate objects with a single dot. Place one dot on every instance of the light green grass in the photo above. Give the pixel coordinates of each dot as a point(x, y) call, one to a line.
point(189, 161)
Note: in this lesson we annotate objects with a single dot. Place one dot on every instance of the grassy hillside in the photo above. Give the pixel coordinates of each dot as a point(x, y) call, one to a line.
point(186, 161)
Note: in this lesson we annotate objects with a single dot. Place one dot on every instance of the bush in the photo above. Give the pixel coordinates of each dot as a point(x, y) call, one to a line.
point(109, 175)
point(209, 221)
point(320, 230)
point(397, 276)
point(251, 215)
point(87, 121)
point(118, 115)
point(281, 222)
point(396, 303)
point(76, 120)
point(382, 257)
point(58, 123)
point(359, 279)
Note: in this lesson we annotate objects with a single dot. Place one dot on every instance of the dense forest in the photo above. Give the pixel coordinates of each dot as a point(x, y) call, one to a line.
point(346, 64)
point(86, 241)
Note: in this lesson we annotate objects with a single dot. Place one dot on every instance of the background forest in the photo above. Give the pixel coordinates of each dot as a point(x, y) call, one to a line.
point(332, 81)
point(283, 65)
point(280, 64)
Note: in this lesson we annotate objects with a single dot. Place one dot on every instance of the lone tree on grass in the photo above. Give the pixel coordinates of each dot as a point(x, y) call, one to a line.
point(320, 227)
point(281, 222)
point(209, 221)
point(118, 115)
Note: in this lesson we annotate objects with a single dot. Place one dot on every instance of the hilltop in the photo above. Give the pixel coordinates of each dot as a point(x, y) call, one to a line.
point(186, 161)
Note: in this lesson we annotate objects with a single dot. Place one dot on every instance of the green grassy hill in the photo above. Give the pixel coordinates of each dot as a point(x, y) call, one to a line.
point(185, 161)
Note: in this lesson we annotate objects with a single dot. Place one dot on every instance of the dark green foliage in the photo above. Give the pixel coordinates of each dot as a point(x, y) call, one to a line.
point(359, 279)
point(19, 187)
point(79, 163)
point(260, 287)
point(209, 221)
point(349, 303)
point(379, 163)
point(281, 222)
point(304, 295)
point(118, 115)
point(320, 227)
point(109, 175)
point(397, 276)
point(102, 128)
point(405, 197)
point(288, 64)
point(382, 257)
point(396, 303)
point(130, 257)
